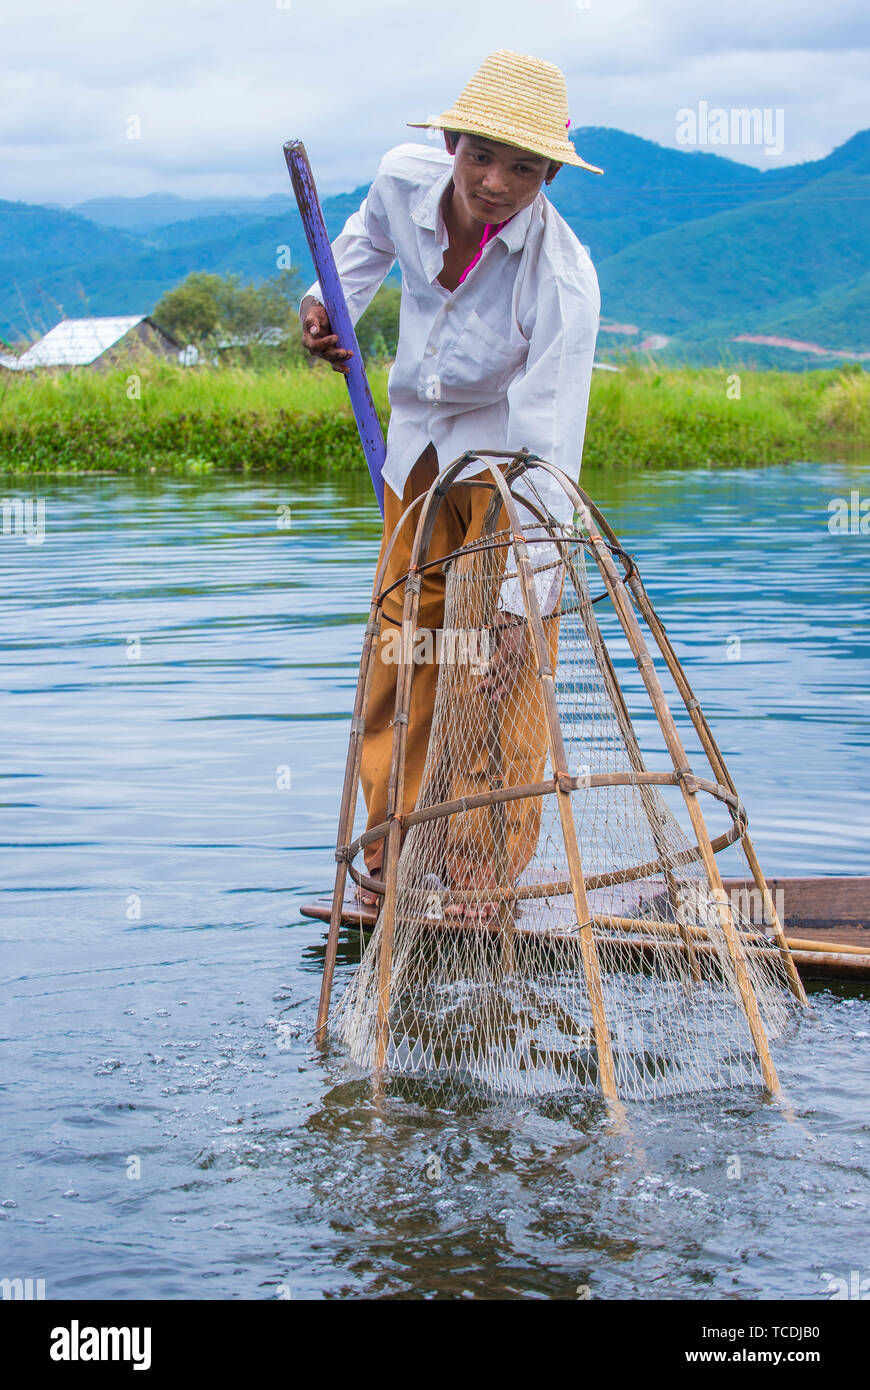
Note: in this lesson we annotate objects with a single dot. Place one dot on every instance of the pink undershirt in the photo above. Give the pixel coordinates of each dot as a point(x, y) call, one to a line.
point(489, 231)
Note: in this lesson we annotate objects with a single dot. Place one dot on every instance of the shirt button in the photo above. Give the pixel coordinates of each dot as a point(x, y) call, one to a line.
point(431, 351)
point(447, 308)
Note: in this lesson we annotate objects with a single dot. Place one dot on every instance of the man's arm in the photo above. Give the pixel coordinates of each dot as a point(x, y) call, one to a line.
point(364, 254)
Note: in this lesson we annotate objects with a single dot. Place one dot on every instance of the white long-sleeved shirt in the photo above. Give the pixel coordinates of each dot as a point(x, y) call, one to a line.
point(504, 361)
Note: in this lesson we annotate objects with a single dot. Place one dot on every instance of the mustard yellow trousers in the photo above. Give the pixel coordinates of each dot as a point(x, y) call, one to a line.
point(469, 849)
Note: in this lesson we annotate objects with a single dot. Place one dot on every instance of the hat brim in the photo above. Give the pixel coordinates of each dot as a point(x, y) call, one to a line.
point(565, 154)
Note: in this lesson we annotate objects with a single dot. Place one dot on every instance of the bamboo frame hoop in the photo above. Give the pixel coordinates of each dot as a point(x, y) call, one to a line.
point(605, 940)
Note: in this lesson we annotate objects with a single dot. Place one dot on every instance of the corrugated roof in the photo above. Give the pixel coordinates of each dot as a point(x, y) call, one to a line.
point(77, 342)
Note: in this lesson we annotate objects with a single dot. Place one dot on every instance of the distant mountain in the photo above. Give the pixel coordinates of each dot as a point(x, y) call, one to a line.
point(56, 264)
point(143, 215)
point(738, 267)
point(713, 249)
point(648, 189)
point(837, 319)
point(42, 250)
point(840, 316)
point(688, 245)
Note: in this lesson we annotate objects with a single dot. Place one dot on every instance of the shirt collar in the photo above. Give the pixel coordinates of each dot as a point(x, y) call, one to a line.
point(514, 233)
point(427, 213)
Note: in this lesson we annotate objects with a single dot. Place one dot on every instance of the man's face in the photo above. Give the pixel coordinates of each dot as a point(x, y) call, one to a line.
point(495, 181)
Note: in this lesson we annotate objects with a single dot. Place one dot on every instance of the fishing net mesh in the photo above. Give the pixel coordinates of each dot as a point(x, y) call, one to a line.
point(488, 978)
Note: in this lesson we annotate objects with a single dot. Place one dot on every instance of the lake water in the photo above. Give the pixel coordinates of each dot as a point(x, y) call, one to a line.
point(169, 1131)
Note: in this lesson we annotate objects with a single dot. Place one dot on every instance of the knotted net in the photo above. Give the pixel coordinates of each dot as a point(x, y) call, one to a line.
point(493, 977)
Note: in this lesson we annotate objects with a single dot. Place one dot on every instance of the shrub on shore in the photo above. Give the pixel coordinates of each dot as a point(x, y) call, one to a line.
point(155, 416)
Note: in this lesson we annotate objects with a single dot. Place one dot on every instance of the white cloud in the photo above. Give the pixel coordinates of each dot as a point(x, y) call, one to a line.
point(220, 84)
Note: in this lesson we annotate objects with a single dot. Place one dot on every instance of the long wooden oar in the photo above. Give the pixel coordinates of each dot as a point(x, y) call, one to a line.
point(367, 422)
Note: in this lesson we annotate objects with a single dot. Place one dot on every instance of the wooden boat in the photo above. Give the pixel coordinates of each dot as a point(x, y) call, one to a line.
point(826, 920)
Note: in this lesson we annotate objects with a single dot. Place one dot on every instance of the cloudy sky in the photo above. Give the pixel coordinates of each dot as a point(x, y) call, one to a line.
point(216, 86)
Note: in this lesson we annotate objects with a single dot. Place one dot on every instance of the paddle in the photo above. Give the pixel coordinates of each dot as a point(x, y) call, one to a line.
point(367, 422)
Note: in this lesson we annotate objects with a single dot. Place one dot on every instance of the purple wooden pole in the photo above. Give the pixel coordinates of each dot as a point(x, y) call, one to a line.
point(367, 422)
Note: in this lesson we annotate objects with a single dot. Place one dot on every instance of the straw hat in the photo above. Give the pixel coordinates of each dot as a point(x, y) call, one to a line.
point(516, 100)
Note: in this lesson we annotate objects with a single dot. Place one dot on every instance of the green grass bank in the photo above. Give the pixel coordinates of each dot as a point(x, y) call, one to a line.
point(153, 416)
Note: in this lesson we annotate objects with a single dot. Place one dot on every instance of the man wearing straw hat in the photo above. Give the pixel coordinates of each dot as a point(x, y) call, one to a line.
point(499, 316)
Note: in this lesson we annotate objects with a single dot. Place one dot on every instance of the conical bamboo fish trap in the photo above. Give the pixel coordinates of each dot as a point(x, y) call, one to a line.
point(546, 924)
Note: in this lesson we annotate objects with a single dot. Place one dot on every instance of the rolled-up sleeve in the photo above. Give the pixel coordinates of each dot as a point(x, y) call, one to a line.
point(547, 407)
point(364, 254)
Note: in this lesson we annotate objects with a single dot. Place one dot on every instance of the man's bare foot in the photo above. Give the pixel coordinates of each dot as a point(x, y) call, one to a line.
point(365, 897)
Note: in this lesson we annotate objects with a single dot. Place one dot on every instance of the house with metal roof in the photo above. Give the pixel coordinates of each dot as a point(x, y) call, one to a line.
point(94, 342)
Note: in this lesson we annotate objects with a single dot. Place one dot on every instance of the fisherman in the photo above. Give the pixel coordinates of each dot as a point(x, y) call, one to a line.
point(499, 317)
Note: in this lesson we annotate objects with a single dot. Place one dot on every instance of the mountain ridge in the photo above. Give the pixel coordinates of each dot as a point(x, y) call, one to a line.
point(671, 232)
